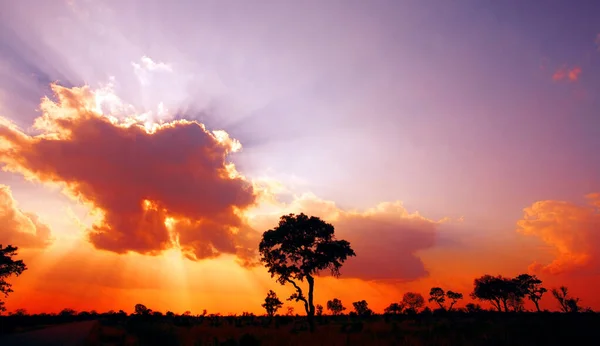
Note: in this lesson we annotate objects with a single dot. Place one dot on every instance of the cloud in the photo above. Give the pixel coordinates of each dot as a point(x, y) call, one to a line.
point(567, 74)
point(20, 228)
point(146, 67)
point(386, 238)
point(156, 187)
point(570, 229)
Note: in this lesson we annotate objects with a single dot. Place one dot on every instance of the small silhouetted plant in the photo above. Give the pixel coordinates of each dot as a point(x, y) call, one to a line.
point(319, 308)
point(362, 308)
point(566, 302)
point(290, 311)
point(414, 301)
point(453, 297)
point(272, 303)
point(335, 306)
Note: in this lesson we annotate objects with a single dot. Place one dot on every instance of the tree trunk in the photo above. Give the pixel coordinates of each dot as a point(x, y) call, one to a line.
point(537, 305)
point(311, 306)
point(505, 306)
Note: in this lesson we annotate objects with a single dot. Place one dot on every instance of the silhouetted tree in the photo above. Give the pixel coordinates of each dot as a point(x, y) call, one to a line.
point(319, 309)
point(335, 306)
point(298, 249)
point(495, 289)
point(515, 302)
point(272, 303)
point(454, 297)
point(20, 312)
point(414, 301)
point(67, 312)
point(395, 308)
point(472, 308)
point(362, 308)
point(290, 311)
point(567, 303)
point(141, 309)
point(8, 267)
point(437, 295)
point(531, 287)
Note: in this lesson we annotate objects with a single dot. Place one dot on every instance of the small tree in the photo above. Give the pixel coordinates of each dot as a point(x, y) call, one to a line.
point(290, 311)
point(299, 248)
point(414, 301)
point(335, 306)
point(567, 303)
point(473, 308)
point(8, 267)
point(319, 309)
point(437, 295)
point(531, 287)
point(495, 289)
point(67, 312)
point(272, 303)
point(362, 308)
point(141, 309)
point(454, 297)
point(395, 308)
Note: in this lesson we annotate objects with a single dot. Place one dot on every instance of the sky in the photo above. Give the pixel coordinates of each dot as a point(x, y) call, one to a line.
point(145, 146)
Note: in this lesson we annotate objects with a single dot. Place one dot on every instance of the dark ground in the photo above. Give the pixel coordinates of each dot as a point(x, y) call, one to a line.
point(482, 328)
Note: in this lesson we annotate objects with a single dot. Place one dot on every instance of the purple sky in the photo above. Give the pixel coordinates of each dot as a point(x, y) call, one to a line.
point(449, 106)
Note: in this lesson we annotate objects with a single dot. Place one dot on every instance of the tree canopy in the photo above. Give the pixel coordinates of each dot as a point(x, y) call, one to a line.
point(9, 267)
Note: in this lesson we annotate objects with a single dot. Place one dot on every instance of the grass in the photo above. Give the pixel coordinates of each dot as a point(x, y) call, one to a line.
point(450, 329)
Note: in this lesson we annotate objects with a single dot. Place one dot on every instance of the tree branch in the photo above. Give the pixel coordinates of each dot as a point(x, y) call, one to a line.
point(299, 296)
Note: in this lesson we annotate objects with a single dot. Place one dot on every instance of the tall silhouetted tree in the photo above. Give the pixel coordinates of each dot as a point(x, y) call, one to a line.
point(8, 267)
point(272, 303)
point(298, 249)
point(414, 301)
point(437, 295)
point(362, 308)
point(454, 297)
point(335, 306)
point(531, 287)
point(567, 303)
point(495, 289)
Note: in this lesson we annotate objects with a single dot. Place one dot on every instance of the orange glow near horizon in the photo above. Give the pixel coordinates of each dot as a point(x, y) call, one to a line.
point(166, 220)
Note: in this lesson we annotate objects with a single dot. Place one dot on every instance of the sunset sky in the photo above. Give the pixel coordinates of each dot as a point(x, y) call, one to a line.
point(145, 146)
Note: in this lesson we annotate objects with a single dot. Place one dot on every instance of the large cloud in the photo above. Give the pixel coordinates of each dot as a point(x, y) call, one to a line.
point(573, 231)
point(386, 238)
point(156, 186)
point(20, 228)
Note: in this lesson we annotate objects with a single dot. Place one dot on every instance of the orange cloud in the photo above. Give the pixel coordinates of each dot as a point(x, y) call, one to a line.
point(157, 186)
point(386, 238)
point(570, 229)
point(18, 227)
point(567, 74)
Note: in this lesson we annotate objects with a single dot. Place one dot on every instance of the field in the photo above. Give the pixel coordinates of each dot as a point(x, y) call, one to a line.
point(483, 328)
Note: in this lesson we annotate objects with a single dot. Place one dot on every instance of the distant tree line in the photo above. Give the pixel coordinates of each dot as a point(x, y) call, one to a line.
point(301, 247)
